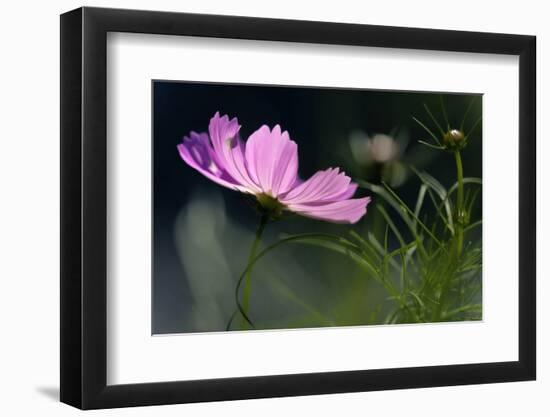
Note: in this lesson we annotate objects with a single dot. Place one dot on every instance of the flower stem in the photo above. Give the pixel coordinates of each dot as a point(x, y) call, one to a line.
point(459, 203)
point(251, 257)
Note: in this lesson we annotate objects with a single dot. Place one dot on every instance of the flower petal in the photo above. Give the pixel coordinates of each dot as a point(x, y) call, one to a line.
point(229, 149)
point(197, 152)
point(323, 187)
point(272, 160)
point(345, 211)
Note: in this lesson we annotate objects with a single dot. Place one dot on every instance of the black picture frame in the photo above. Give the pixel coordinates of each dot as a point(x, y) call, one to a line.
point(84, 197)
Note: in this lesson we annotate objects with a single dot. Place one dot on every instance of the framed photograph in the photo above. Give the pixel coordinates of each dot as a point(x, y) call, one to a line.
point(257, 208)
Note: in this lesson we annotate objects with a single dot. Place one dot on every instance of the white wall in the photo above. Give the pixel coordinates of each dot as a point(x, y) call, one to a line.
point(29, 173)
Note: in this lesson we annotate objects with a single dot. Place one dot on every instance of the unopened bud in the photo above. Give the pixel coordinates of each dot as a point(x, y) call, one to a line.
point(454, 138)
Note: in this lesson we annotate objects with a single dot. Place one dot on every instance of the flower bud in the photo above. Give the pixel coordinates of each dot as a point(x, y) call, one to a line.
point(453, 139)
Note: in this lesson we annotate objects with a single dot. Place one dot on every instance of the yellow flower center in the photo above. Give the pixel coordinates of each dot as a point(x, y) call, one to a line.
point(270, 204)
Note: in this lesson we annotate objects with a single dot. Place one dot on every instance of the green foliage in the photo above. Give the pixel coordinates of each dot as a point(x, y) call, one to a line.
point(436, 281)
point(423, 272)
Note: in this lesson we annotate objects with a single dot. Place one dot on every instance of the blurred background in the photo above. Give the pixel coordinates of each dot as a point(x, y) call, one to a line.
point(203, 232)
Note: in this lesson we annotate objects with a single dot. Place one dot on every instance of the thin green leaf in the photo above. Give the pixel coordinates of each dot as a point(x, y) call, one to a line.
point(440, 148)
point(376, 244)
point(420, 199)
point(466, 114)
point(385, 259)
point(446, 218)
point(444, 112)
point(412, 214)
point(366, 246)
point(427, 130)
point(473, 226)
point(435, 185)
point(472, 201)
point(396, 205)
point(339, 246)
point(431, 182)
point(400, 250)
point(473, 128)
point(467, 308)
point(390, 223)
point(466, 180)
point(417, 298)
point(434, 119)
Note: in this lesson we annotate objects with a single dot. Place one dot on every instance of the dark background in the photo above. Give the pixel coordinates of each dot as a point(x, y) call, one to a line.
point(321, 121)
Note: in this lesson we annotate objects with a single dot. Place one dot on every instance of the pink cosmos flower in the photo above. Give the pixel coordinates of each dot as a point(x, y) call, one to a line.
point(266, 166)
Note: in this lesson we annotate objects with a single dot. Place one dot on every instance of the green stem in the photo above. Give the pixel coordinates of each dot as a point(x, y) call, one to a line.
point(459, 233)
point(459, 203)
point(251, 257)
point(459, 229)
